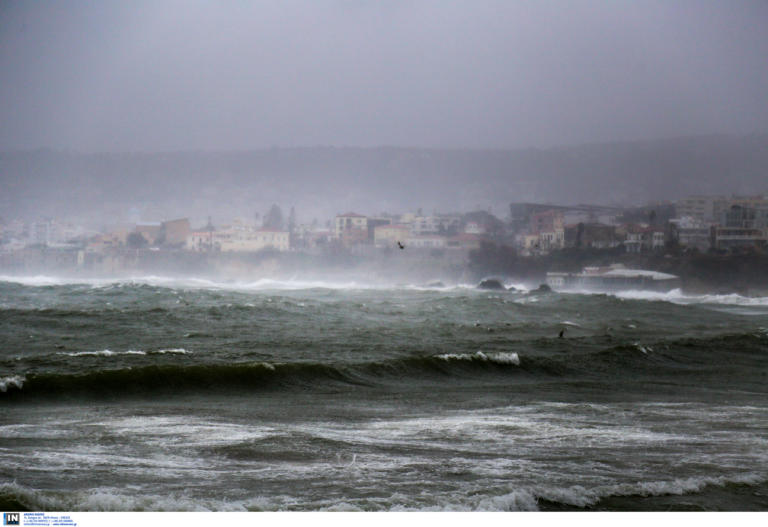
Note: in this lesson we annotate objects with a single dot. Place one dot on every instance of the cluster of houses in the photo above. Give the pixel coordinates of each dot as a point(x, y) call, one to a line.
point(700, 222)
point(546, 228)
point(722, 223)
point(438, 231)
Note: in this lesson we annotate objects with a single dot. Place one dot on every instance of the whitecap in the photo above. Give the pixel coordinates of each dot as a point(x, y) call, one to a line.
point(102, 353)
point(676, 296)
point(497, 357)
point(14, 381)
point(172, 351)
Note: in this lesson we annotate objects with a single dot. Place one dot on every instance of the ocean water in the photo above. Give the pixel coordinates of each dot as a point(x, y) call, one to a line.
point(163, 394)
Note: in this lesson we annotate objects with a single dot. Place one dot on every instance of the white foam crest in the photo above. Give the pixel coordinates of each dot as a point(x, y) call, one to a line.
point(42, 280)
point(171, 351)
point(14, 381)
point(197, 283)
point(110, 353)
point(33, 499)
point(101, 353)
point(579, 496)
point(676, 296)
point(505, 358)
point(519, 500)
point(261, 284)
point(641, 348)
point(114, 500)
point(498, 357)
point(342, 506)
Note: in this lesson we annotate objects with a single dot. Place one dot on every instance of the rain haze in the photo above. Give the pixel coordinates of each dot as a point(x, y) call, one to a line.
point(339, 106)
point(147, 111)
point(403, 255)
point(169, 76)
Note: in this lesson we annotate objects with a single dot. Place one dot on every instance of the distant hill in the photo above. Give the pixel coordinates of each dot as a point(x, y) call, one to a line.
point(323, 181)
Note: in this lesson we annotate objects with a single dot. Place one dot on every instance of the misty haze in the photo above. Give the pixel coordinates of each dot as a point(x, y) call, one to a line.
point(383, 256)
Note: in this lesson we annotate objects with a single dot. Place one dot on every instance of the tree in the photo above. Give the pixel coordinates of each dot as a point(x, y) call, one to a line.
point(274, 218)
point(292, 220)
point(579, 235)
point(136, 240)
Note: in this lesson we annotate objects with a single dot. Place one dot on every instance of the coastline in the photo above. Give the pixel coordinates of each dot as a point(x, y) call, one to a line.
point(699, 274)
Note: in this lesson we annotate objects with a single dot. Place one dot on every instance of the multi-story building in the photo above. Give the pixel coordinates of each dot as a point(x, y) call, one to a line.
point(427, 241)
point(464, 241)
point(644, 238)
point(741, 226)
point(691, 233)
point(711, 208)
point(745, 217)
point(591, 235)
point(376, 222)
point(545, 221)
point(175, 232)
point(550, 240)
point(473, 227)
point(351, 228)
point(548, 227)
point(425, 225)
point(238, 237)
point(737, 237)
point(101, 243)
point(311, 236)
point(700, 208)
point(251, 240)
point(389, 235)
point(200, 241)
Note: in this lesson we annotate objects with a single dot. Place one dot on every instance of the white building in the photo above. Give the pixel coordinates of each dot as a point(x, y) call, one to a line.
point(692, 233)
point(474, 228)
point(239, 237)
point(389, 235)
point(351, 228)
point(428, 241)
point(252, 240)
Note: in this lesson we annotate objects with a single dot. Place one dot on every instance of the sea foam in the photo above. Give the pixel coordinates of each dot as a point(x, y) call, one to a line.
point(676, 296)
point(110, 353)
point(498, 357)
point(15, 381)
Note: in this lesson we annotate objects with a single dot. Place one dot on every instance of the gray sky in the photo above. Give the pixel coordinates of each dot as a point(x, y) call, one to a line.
point(185, 75)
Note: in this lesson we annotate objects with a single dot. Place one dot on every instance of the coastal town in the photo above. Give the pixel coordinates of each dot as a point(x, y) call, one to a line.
point(694, 224)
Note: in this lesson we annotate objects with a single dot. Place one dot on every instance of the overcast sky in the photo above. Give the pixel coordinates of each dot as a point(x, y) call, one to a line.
point(187, 75)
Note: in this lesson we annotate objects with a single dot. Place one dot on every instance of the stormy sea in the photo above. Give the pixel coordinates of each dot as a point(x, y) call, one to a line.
point(160, 394)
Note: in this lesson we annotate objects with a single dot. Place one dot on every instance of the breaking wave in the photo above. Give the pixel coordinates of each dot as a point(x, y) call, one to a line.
point(262, 284)
point(739, 357)
point(676, 296)
point(7, 383)
point(21, 498)
point(579, 497)
point(110, 353)
point(501, 358)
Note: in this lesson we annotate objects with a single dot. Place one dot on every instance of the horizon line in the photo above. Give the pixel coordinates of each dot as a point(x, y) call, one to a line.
point(563, 146)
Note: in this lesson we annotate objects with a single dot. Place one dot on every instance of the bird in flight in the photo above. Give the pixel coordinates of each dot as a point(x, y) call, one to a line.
point(400, 245)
